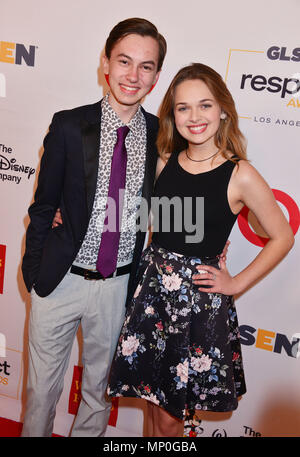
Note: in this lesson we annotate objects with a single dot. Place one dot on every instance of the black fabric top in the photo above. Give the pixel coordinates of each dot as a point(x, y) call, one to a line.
point(198, 227)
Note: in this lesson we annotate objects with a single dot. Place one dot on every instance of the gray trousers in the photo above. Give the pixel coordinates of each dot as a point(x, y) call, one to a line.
point(100, 308)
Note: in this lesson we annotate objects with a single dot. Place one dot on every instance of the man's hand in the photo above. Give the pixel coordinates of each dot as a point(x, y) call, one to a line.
point(58, 219)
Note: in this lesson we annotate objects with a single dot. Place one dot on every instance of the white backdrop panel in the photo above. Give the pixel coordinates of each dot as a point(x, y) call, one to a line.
point(68, 39)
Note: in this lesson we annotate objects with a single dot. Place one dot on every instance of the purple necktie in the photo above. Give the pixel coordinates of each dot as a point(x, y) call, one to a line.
point(108, 251)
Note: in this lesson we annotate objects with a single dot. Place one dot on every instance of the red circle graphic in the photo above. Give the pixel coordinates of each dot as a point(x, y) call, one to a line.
point(294, 218)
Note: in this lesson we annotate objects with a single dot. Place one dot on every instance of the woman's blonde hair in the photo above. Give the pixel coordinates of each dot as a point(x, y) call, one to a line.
point(229, 139)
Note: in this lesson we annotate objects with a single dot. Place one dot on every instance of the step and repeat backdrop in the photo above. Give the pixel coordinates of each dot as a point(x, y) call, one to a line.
point(50, 59)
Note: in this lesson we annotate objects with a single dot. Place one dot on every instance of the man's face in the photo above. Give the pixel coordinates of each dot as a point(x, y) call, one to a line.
point(132, 70)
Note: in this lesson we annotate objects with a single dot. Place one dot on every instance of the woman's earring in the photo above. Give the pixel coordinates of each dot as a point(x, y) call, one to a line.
point(223, 116)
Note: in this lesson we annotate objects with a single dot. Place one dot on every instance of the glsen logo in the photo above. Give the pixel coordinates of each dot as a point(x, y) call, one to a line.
point(275, 84)
point(294, 219)
point(269, 340)
point(243, 77)
point(277, 53)
point(2, 266)
point(17, 53)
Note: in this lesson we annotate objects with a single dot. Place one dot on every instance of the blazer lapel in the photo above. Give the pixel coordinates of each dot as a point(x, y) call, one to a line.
point(90, 129)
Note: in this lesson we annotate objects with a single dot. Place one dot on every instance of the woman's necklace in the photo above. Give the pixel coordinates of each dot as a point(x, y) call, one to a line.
point(202, 160)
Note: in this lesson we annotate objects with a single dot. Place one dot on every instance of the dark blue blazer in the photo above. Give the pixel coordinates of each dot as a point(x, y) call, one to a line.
point(67, 180)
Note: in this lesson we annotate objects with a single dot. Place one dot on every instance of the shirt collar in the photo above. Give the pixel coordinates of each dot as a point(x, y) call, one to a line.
point(110, 117)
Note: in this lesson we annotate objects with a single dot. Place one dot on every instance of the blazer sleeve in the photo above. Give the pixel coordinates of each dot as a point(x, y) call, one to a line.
point(46, 199)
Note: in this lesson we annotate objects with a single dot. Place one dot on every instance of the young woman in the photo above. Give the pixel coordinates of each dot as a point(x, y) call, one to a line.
point(179, 347)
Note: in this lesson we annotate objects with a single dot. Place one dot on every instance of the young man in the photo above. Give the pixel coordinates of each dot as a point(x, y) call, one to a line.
point(74, 272)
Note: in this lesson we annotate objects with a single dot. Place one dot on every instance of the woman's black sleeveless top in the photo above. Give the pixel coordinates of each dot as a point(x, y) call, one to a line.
point(191, 213)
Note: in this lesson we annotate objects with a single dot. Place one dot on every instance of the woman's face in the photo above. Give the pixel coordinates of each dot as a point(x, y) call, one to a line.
point(196, 112)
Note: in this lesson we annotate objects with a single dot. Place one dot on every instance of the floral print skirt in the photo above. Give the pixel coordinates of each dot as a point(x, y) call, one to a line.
point(179, 348)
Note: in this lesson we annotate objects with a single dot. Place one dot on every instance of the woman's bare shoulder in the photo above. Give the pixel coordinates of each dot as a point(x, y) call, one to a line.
point(245, 172)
